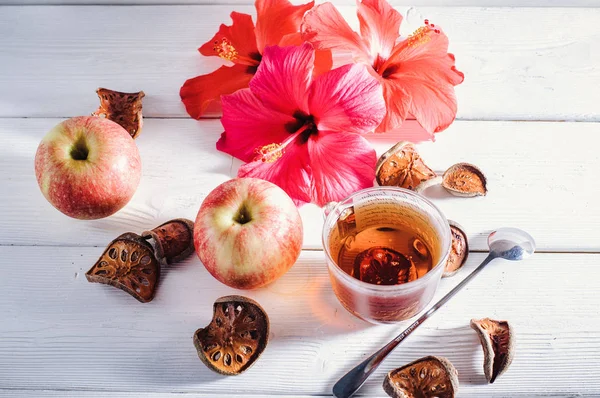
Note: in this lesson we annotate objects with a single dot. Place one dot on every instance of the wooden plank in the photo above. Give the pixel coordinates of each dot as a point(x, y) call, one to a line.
point(520, 63)
point(536, 180)
point(123, 394)
point(60, 332)
point(398, 3)
point(137, 394)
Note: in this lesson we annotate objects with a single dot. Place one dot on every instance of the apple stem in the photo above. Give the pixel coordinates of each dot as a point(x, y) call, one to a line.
point(243, 215)
point(80, 150)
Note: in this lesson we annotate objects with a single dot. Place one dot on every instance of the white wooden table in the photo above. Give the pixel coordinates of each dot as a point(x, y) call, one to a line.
point(529, 113)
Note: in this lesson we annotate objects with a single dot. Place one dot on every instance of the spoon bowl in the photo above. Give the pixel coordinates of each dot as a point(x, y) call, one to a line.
point(511, 244)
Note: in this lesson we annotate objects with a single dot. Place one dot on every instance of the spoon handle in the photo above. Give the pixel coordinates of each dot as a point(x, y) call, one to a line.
point(354, 379)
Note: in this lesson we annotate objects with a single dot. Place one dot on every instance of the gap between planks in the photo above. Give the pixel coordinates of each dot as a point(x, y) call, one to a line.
point(304, 249)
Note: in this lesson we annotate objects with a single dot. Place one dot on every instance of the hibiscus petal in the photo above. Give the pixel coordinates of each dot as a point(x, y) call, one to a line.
point(323, 59)
point(379, 26)
point(250, 125)
point(240, 35)
point(347, 99)
point(427, 59)
point(420, 77)
point(337, 173)
point(277, 18)
point(433, 105)
point(397, 104)
point(283, 78)
point(410, 130)
point(203, 91)
point(326, 29)
point(291, 172)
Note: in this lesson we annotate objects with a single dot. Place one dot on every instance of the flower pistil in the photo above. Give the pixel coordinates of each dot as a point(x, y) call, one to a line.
point(302, 129)
point(226, 50)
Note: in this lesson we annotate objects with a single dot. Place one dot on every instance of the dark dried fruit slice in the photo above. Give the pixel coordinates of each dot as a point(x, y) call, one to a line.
point(466, 180)
point(129, 264)
point(426, 377)
point(173, 240)
point(122, 108)
point(383, 266)
point(236, 336)
point(401, 166)
point(459, 250)
point(498, 346)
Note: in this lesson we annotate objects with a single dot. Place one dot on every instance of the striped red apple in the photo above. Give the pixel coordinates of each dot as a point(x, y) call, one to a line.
point(88, 167)
point(248, 233)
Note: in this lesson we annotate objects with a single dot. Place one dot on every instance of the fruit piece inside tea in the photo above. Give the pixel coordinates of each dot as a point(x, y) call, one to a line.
point(382, 266)
point(389, 248)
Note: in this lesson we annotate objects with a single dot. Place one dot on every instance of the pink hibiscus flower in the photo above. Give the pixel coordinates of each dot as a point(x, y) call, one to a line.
point(242, 44)
point(303, 134)
point(417, 73)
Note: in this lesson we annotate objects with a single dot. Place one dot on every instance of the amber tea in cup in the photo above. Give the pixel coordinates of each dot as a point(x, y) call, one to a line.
point(386, 249)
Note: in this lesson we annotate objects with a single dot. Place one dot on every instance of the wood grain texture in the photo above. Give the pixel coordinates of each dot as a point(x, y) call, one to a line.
point(18, 393)
point(520, 64)
point(397, 3)
point(537, 182)
point(59, 331)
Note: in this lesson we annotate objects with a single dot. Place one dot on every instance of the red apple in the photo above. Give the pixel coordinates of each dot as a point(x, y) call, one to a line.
point(88, 167)
point(248, 233)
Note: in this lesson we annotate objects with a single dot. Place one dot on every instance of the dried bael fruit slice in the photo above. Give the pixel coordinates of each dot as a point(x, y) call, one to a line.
point(401, 166)
point(122, 108)
point(236, 336)
point(459, 250)
point(498, 346)
point(466, 180)
point(426, 377)
point(173, 240)
point(129, 264)
point(381, 265)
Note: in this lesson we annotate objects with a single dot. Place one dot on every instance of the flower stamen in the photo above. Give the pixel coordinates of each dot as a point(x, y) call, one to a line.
point(419, 37)
point(225, 50)
point(269, 153)
point(272, 152)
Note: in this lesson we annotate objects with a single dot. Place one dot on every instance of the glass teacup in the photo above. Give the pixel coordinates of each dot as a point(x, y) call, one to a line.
point(386, 249)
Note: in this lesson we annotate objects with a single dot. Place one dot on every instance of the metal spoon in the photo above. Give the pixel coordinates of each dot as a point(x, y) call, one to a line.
point(507, 243)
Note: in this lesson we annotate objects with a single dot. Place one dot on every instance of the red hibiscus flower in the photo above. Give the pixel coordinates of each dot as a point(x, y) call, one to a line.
point(417, 73)
point(303, 133)
point(277, 23)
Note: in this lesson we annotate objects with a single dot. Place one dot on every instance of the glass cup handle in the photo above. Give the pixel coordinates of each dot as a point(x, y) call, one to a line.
point(328, 208)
